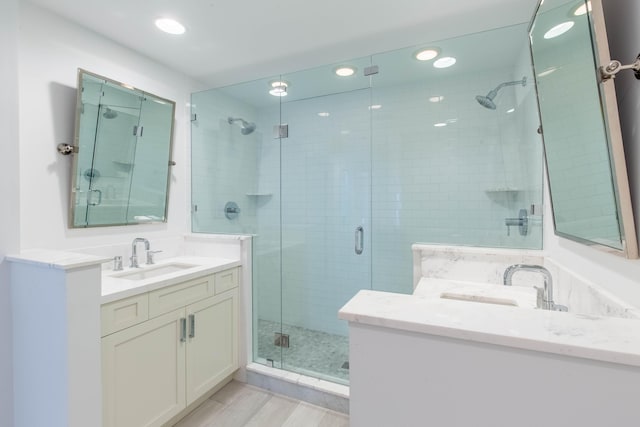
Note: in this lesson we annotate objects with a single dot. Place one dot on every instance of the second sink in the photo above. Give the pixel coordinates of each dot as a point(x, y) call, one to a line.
point(155, 271)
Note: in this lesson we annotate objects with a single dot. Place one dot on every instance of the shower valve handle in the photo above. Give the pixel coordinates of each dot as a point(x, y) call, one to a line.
point(522, 222)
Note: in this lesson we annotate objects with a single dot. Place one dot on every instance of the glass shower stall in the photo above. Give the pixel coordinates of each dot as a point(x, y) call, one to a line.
point(335, 177)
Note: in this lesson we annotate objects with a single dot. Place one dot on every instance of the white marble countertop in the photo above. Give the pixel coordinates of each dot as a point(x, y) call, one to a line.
point(606, 339)
point(56, 259)
point(115, 288)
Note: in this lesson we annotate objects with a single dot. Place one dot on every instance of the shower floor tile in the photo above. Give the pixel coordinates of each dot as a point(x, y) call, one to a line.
point(310, 352)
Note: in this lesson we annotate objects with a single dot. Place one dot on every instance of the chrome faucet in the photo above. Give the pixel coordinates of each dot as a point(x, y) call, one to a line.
point(545, 296)
point(134, 253)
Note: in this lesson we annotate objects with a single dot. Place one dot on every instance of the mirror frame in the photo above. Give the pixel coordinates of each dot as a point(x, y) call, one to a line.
point(617, 162)
point(76, 145)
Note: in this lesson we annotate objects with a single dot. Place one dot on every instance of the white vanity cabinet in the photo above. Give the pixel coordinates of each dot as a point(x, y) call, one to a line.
point(177, 343)
point(211, 343)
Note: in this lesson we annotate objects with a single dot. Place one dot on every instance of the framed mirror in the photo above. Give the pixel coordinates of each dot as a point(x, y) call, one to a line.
point(584, 154)
point(121, 165)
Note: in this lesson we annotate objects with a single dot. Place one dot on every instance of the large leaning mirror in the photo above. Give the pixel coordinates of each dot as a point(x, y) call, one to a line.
point(581, 131)
point(121, 165)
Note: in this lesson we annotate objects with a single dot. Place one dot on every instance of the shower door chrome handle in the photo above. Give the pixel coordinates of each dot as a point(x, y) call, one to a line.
point(359, 240)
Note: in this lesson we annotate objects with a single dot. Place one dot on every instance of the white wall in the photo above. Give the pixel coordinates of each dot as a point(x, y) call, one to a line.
point(51, 50)
point(618, 275)
point(40, 56)
point(9, 193)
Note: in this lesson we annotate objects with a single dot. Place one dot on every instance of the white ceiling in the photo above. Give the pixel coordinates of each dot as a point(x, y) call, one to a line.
point(230, 41)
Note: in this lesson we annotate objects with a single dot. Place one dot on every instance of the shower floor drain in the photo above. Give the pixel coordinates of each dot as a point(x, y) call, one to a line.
point(345, 365)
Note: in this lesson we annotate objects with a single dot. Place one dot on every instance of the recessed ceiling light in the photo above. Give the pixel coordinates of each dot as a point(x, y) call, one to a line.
point(582, 9)
point(278, 91)
point(278, 88)
point(426, 54)
point(436, 99)
point(558, 30)
point(375, 107)
point(440, 125)
point(170, 26)
point(323, 114)
point(444, 62)
point(345, 71)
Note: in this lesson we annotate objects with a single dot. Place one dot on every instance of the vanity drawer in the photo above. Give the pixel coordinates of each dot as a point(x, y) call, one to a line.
point(177, 296)
point(226, 280)
point(123, 313)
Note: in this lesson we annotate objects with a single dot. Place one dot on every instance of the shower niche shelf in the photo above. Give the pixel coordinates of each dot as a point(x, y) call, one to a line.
point(259, 194)
point(503, 195)
point(500, 190)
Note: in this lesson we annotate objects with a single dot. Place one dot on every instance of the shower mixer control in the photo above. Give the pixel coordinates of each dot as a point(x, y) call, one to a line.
point(231, 210)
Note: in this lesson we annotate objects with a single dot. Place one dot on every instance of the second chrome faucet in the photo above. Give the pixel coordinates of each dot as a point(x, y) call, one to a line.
point(545, 296)
point(134, 253)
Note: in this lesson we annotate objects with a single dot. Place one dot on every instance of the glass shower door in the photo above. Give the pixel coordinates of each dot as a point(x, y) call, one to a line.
point(325, 223)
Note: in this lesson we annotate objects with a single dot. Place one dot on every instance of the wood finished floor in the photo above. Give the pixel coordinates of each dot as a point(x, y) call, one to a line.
point(242, 405)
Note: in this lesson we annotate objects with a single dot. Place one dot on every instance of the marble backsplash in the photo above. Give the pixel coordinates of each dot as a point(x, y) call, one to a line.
point(487, 265)
point(585, 297)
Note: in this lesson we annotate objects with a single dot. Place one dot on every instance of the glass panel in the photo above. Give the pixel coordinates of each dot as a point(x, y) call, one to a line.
point(232, 164)
point(326, 186)
point(446, 169)
point(575, 136)
point(226, 159)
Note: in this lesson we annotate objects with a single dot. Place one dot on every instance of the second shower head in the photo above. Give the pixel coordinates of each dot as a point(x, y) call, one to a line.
point(487, 101)
point(245, 127)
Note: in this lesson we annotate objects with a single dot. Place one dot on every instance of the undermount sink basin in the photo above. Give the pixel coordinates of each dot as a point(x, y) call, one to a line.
point(149, 272)
point(478, 292)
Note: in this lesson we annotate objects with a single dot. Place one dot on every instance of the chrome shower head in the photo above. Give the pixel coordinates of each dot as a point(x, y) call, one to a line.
point(248, 128)
point(109, 113)
point(487, 101)
point(245, 127)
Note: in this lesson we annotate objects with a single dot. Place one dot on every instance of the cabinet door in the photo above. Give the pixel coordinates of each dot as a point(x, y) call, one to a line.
point(143, 371)
point(212, 350)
